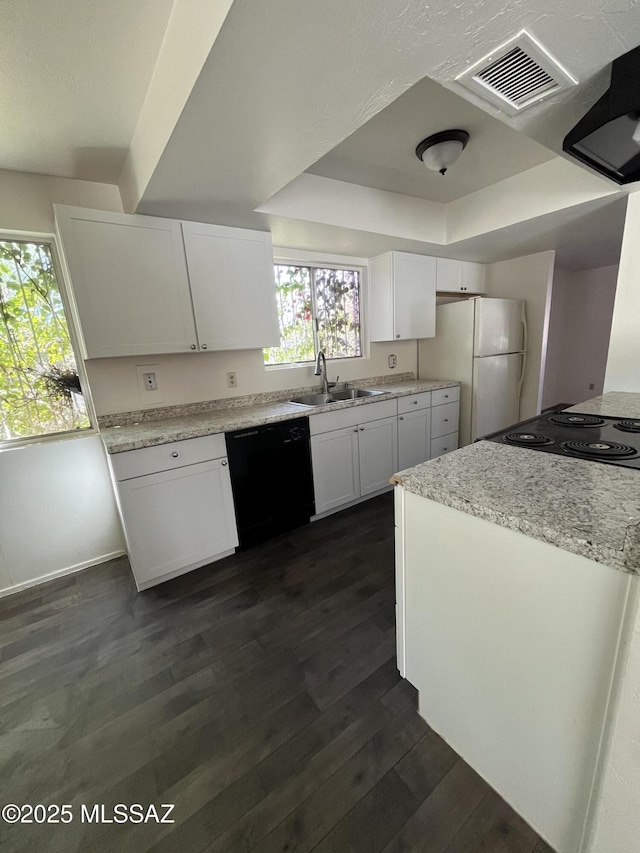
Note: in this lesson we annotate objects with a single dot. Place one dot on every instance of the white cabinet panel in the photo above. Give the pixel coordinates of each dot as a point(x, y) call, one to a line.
point(378, 454)
point(403, 296)
point(445, 395)
point(413, 402)
point(444, 444)
point(129, 281)
point(414, 438)
point(177, 519)
point(233, 288)
point(444, 419)
point(352, 416)
point(460, 276)
point(336, 469)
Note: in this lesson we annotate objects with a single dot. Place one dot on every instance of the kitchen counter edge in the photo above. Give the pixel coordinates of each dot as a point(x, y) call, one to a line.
point(152, 433)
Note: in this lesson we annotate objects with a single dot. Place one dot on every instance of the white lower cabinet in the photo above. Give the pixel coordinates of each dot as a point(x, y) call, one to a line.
point(414, 438)
point(179, 518)
point(354, 452)
point(336, 468)
point(378, 454)
point(414, 430)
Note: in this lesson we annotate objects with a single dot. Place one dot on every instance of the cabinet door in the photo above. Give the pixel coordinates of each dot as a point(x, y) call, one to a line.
point(444, 419)
point(336, 470)
point(378, 454)
point(460, 276)
point(233, 287)
point(444, 444)
point(414, 297)
point(129, 281)
point(472, 277)
point(448, 275)
point(414, 438)
point(177, 518)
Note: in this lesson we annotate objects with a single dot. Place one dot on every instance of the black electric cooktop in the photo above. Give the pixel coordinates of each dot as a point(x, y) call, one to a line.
point(614, 441)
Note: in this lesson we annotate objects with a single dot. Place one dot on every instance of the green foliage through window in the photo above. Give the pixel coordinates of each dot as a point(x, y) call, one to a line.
point(318, 309)
point(40, 389)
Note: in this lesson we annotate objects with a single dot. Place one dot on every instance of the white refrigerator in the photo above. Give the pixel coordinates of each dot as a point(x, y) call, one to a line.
point(481, 343)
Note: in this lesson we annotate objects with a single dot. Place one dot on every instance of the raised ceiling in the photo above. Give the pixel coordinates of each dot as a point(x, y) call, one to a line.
point(74, 76)
point(381, 153)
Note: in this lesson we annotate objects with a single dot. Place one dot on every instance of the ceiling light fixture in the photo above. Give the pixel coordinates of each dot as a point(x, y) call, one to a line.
point(441, 150)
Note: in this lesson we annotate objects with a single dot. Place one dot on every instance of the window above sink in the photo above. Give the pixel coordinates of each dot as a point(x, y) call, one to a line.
point(318, 309)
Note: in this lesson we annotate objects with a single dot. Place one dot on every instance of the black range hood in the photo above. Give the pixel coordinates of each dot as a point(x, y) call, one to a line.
point(607, 139)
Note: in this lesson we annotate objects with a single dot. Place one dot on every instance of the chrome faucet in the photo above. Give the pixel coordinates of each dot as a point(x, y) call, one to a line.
point(321, 370)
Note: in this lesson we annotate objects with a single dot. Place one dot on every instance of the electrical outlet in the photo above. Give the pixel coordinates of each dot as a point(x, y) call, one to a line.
point(149, 384)
point(392, 361)
point(232, 380)
point(591, 386)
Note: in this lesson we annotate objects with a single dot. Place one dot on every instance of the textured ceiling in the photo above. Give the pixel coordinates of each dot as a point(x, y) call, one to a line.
point(73, 77)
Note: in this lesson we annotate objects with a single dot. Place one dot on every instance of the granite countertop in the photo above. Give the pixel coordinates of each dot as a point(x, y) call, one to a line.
point(189, 422)
point(614, 404)
point(585, 507)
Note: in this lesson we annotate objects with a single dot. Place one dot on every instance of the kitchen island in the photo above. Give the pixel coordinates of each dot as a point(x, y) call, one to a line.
point(517, 588)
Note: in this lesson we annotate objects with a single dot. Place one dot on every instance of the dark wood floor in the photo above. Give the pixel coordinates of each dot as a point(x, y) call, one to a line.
point(259, 695)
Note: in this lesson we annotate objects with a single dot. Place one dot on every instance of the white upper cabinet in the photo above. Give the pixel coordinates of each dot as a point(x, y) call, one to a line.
point(129, 280)
point(403, 296)
point(145, 285)
point(460, 276)
point(233, 287)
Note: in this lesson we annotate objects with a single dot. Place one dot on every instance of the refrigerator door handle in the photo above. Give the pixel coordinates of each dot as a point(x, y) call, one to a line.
point(525, 343)
point(525, 329)
point(522, 370)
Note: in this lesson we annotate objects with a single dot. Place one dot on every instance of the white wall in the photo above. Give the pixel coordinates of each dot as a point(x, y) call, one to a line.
point(615, 814)
point(192, 29)
point(196, 377)
point(529, 278)
point(623, 362)
point(579, 329)
point(57, 508)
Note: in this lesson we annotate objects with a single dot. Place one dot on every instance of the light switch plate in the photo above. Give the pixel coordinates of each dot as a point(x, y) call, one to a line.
point(149, 397)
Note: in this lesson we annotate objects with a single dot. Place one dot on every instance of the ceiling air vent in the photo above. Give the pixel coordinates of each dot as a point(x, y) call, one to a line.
point(516, 75)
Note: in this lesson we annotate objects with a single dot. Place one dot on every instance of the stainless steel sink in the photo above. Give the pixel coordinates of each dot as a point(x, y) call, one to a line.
point(334, 397)
point(353, 394)
point(314, 399)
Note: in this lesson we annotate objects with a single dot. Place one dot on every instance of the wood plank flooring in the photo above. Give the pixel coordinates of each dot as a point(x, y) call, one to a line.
point(258, 695)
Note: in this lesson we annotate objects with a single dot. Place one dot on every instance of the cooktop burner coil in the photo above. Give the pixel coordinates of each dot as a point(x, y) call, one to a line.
point(528, 439)
point(628, 426)
point(599, 449)
point(576, 420)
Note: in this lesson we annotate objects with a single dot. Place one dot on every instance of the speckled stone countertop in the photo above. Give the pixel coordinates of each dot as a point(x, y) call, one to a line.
point(585, 507)
point(192, 421)
point(614, 404)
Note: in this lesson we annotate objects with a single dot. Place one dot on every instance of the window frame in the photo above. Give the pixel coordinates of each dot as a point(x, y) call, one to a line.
point(315, 260)
point(77, 344)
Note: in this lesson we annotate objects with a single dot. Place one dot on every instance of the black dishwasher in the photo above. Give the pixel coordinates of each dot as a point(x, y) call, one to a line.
point(271, 478)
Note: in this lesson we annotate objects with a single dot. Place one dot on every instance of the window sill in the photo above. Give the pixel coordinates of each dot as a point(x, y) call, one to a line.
point(19, 443)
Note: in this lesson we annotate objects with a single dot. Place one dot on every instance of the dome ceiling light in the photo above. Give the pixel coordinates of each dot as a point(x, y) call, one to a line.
point(441, 150)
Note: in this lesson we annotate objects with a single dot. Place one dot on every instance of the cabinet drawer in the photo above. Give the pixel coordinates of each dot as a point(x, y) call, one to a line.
point(445, 395)
point(164, 457)
point(327, 421)
point(444, 419)
point(444, 444)
point(414, 402)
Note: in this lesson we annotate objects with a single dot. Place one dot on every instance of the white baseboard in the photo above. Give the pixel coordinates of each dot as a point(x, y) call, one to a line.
point(69, 570)
point(355, 502)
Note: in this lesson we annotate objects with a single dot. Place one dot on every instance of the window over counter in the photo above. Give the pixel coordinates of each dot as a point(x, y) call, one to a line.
point(318, 309)
point(40, 392)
